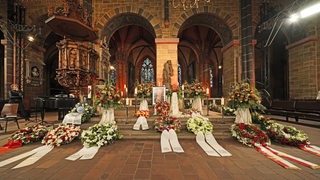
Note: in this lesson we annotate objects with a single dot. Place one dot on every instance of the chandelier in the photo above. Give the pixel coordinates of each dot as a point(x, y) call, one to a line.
point(187, 4)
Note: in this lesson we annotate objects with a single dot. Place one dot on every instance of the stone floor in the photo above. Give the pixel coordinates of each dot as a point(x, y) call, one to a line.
point(142, 159)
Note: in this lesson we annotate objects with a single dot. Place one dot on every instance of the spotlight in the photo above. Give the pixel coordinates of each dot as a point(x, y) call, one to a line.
point(293, 18)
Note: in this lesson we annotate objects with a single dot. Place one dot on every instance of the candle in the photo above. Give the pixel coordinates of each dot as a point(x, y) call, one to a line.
point(208, 91)
point(135, 91)
point(121, 93)
point(126, 91)
point(127, 101)
point(182, 87)
point(222, 101)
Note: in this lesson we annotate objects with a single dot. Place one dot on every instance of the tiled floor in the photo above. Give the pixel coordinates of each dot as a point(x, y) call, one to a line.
point(142, 159)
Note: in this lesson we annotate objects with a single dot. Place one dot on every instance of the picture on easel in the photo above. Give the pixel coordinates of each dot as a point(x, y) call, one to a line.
point(158, 94)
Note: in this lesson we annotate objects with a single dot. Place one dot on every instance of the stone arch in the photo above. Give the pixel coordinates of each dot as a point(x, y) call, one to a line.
point(211, 21)
point(114, 19)
point(223, 23)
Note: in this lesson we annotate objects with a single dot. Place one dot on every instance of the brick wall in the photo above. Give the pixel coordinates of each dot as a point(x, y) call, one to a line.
point(302, 69)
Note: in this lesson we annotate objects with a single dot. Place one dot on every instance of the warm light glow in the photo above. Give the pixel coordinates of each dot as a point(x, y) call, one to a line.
point(219, 67)
point(111, 67)
point(310, 10)
point(293, 18)
point(30, 38)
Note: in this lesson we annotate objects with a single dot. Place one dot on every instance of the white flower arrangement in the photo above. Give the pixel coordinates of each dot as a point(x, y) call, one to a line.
point(63, 134)
point(100, 135)
point(87, 110)
point(197, 124)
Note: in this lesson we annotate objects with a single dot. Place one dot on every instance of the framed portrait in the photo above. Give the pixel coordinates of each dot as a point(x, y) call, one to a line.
point(158, 94)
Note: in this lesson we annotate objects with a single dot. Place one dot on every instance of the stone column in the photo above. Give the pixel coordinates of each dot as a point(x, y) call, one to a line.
point(167, 49)
point(5, 69)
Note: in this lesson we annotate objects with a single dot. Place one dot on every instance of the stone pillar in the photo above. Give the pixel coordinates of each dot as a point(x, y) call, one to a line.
point(247, 60)
point(167, 49)
point(231, 69)
point(5, 89)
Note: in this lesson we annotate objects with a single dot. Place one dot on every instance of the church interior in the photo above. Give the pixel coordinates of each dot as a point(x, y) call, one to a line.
point(168, 78)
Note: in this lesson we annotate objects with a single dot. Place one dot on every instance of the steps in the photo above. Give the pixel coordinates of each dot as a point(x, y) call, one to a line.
point(221, 126)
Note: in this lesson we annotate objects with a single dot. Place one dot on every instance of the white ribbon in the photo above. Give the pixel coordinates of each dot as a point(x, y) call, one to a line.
point(84, 153)
point(202, 143)
point(214, 144)
point(34, 154)
point(164, 141)
point(174, 141)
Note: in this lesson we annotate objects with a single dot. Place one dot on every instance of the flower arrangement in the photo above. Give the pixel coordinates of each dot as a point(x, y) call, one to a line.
point(249, 134)
point(281, 133)
point(87, 110)
point(108, 97)
point(227, 111)
point(30, 134)
point(197, 124)
point(63, 134)
point(144, 113)
point(162, 108)
point(167, 123)
point(287, 135)
point(244, 96)
point(196, 89)
point(144, 90)
point(100, 135)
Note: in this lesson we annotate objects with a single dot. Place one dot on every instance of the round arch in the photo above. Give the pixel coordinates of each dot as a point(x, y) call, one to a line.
point(122, 20)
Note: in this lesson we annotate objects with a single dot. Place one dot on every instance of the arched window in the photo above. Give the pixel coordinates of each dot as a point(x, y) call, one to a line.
point(179, 75)
point(112, 75)
point(147, 71)
point(211, 76)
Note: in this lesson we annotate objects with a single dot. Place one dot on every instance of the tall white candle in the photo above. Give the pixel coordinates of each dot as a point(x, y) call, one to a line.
point(207, 91)
point(127, 101)
point(222, 101)
point(182, 87)
point(135, 91)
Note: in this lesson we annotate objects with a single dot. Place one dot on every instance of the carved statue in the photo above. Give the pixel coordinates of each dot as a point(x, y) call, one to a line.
point(167, 73)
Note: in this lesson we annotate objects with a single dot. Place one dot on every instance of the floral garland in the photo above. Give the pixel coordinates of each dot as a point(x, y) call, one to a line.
point(249, 134)
point(63, 134)
point(144, 90)
point(197, 124)
point(167, 123)
point(100, 135)
point(196, 89)
point(30, 134)
point(87, 110)
point(244, 96)
point(281, 133)
point(108, 97)
point(144, 113)
point(162, 108)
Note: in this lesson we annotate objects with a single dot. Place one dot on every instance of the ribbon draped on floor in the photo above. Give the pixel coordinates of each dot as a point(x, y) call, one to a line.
point(275, 156)
point(10, 145)
point(209, 144)
point(33, 156)
point(170, 138)
point(84, 153)
point(311, 149)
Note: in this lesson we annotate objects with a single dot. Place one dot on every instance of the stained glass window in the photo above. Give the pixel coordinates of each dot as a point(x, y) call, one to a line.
point(147, 71)
point(211, 76)
point(179, 75)
point(113, 76)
